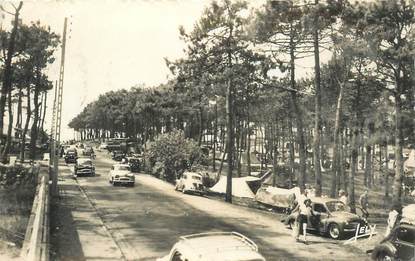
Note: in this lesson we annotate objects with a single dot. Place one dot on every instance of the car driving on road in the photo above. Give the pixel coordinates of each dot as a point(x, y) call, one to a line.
point(71, 156)
point(332, 218)
point(121, 174)
point(190, 182)
point(84, 166)
point(218, 246)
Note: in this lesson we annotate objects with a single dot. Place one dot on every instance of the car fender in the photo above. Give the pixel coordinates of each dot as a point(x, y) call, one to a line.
point(384, 247)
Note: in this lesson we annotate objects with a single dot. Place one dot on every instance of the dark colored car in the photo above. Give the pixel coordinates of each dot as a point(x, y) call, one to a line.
point(118, 155)
point(71, 156)
point(399, 245)
point(134, 164)
point(332, 218)
point(84, 166)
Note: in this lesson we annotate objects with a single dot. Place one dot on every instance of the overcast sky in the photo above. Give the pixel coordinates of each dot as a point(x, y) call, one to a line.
point(111, 45)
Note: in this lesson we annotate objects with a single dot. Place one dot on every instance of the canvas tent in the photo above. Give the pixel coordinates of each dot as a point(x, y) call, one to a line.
point(408, 214)
point(241, 187)
point(277, 197)
point(409, 164)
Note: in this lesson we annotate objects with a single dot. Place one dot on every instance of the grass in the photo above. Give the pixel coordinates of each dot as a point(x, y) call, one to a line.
point(15, 207)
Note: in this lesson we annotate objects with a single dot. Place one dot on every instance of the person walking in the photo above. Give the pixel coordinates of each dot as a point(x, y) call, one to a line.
point(343, 197)
point(304, 212)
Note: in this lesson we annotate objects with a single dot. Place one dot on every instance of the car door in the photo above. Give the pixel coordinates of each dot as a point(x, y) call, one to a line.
point(405, 243)
point(320, 214)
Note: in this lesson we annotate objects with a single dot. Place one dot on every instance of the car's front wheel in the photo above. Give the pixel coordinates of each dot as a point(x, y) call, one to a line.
point(384, 256)
point(334, 231)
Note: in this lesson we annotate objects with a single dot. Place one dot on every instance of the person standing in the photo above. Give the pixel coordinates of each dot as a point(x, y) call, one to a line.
point(364, 202)
point(343, 197)
point(394, 216)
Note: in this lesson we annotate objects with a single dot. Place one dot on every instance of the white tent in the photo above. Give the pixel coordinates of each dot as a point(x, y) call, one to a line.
point(277, 197)
point(410, 162)
point(240, 187)
point(408, 214)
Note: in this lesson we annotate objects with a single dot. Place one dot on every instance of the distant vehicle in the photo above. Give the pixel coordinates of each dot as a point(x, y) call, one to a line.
point(71, 156)
point(103, 146)
point(84, 166)
point(191, 182)
point(88, 151)
point(218, 246)
point(332, 219)
point(134, 163)
point(400, 244)
point(121, 174)
point(118, 155)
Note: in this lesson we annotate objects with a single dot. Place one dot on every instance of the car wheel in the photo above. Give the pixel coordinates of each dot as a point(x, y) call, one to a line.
point(334, 231)
point(383, 256)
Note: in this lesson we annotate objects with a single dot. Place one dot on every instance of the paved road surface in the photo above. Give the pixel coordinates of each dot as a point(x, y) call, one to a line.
point(146, 220)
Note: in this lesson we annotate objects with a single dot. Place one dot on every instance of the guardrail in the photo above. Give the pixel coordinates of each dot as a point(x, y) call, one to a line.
point(36, 243)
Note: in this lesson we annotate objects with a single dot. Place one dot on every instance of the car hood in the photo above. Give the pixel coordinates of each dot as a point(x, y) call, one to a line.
point(345, 216)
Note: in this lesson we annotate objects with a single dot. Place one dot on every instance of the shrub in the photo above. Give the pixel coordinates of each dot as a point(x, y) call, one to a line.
point(171, 154)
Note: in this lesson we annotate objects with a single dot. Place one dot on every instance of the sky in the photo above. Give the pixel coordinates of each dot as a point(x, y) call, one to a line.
point(111, 45)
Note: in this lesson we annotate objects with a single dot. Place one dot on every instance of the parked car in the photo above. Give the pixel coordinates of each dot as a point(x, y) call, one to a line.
point(71, 156)
point(400, 244)
point(134, 163)
point(118, 155)
point(84, 166)
point(103, 146)
point(191, 182)
point(218, 246)
point(121, 174)
point(332, 218)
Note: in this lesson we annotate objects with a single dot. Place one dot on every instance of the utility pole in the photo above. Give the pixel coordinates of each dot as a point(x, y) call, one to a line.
point(57, 114)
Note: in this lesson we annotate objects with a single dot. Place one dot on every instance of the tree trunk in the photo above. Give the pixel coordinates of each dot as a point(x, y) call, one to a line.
point(299, 119)
point(397, 184)
point(336, 162)
point(353, 167)
point(8, 70)
point(317, 120)
point(34, 130)
point(291, 151)
point(368, 165)
point(6, 148)
point(26, 126)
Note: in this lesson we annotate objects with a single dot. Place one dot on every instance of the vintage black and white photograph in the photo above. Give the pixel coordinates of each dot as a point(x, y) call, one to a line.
point(207, 130)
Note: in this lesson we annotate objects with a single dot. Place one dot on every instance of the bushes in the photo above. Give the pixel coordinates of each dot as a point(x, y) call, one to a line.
point(171, 154)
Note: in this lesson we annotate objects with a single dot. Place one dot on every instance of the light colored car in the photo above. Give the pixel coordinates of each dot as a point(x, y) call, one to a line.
point(191, 182)
point(218, 246)
point(103, 146)
point(121, 174)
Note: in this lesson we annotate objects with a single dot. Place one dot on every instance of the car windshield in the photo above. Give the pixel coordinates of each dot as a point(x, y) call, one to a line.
point(196, 178)
point(85, 162)
point(120, 167)
point(336, 206)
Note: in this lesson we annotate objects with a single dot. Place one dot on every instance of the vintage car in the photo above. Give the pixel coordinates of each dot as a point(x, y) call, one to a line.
point(218, 246)
point(331, 217)
point(191, 182)
point(134, 163)
point(84, 166)
point(88, 151)
point(121, 174)
point(117, 155)
point(71, 156)
point(400, 244)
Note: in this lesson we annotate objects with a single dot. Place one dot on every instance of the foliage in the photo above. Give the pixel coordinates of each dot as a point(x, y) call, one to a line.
point(170, 154)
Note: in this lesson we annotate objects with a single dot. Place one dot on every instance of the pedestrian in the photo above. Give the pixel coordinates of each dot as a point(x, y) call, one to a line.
point(364, 202)
point(304, 211)
point(394, 216)
point(343, 197)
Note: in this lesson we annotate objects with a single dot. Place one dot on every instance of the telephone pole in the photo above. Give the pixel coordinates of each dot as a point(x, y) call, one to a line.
point(57, 115)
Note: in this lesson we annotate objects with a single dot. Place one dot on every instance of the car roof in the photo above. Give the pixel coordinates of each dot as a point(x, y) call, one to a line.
point(84, 159)
point(220, 246)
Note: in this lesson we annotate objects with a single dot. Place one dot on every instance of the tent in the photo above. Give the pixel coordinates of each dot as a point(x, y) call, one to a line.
point(240, 186)
point(277, 197)
point(409, 164)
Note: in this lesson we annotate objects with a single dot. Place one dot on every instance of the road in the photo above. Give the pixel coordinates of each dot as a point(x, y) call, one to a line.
point(146, 220)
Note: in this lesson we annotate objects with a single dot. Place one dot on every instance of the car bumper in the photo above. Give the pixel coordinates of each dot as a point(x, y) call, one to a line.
point(85, 172)
point(124, 180)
